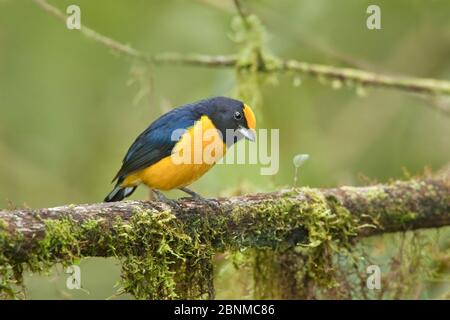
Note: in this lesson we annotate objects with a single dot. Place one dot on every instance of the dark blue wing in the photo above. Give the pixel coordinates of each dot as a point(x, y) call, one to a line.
point(156, 143)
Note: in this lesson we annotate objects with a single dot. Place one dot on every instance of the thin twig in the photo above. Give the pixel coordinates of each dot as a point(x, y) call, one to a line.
point(432, 87)
point(410, 84)
point(92, 34)
point(242, 13)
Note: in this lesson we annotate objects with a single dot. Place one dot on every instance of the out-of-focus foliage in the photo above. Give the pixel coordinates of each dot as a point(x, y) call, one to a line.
point(69, 109)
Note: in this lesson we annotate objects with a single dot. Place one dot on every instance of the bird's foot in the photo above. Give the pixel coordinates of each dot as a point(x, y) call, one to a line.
point(212, 203)
point(159, 196)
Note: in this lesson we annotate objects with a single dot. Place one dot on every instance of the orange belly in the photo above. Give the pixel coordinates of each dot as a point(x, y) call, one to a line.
point(165, 175)
point(196, 152)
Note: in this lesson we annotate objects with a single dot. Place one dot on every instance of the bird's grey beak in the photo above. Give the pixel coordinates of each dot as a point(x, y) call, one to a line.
point(247, 133)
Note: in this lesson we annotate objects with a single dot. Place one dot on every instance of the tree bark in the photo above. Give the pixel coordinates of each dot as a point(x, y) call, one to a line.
point(398, 206)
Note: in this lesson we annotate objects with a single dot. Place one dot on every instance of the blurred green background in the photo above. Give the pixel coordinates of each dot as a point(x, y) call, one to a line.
point(69, 108)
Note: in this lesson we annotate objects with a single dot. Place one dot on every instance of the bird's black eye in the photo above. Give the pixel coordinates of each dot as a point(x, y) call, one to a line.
point(237, 115)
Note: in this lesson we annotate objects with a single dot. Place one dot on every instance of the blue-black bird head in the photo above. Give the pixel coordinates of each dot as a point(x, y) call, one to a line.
point(231, 114)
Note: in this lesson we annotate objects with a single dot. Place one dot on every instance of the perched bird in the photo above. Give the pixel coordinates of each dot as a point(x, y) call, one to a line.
point(182, 145)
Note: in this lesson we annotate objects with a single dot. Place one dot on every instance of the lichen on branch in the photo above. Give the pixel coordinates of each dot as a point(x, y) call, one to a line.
point(166, 252)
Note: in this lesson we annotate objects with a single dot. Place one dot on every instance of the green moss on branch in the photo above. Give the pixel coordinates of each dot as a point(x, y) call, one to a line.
point(167, 253)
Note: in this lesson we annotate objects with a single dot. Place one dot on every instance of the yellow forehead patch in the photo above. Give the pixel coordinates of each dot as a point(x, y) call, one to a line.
point(250, 117)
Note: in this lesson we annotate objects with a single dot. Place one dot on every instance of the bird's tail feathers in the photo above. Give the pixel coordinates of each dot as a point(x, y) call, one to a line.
point(119, 193)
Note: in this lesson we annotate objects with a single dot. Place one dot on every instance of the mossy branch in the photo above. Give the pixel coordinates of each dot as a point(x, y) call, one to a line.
point(166, 251)
point(394, 207)
point(351, 76)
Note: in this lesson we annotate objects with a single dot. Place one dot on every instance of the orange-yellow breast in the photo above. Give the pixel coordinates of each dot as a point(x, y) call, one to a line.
point(196, 152)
